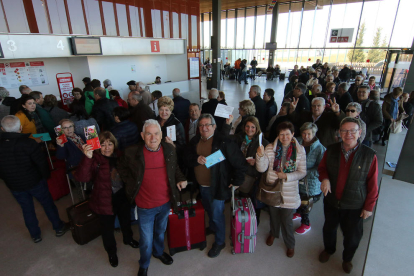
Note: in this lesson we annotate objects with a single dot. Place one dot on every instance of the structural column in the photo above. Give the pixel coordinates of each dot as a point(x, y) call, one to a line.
point(409, 84)
point(273, 33)
point(215, 43)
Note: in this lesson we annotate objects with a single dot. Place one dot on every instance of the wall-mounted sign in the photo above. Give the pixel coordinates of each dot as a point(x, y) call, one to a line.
point(271, 45)
point(30, 73)
point(86, 46)
point(343, 35)
point(155, 46)
point(194, 67)
point(65, 84)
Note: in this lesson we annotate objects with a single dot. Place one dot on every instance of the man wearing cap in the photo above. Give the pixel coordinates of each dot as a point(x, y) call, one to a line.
point(139, 87)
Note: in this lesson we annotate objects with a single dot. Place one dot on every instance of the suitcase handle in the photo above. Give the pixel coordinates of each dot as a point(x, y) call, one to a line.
point(191, 210)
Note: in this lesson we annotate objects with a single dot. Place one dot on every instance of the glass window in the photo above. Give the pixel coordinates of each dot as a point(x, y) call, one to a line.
point(404, 26)
point(282, 25)
point(122, 20)
point(76, 17)
point(307, 24)
point(135, 26)
point(41, 19)
point(206, 31)
point(248, 42)
point(93, 17)
point(166, 18)
point(194, 36)
point(260, 26)
point(294, 25)
point(230, 29)
point(57, 15)
point(319, 29)
point(176, 26)
point(16, 16)
point(184, 26)
point(240, 29)
point(156, 23)
point(223, 30)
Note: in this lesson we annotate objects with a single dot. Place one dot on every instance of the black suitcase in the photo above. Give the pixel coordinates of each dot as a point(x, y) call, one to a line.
point(209, 83)
point(282, 76)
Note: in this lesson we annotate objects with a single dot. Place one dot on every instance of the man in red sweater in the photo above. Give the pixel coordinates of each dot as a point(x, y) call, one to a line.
point(151, 177)
point(349, 184)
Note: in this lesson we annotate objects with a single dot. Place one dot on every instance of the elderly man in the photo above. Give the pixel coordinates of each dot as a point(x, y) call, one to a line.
point(371, 113)
point(327, 122)
point(348, 172)
point(342, 96)
point(353, 89)
point(102, 109)
point(259, 103)
point(146, 95)
point(139, 111)
point(299, 92)
point(191, 125)
point(215, 181)
point(151, 177)
point(210, 107)
point(181, 106)
point(24, 169)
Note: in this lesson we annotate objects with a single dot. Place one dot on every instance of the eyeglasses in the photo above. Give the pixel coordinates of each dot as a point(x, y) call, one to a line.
point(352, 131)
point(206, 125)
point(67, 127)
point(350, 110)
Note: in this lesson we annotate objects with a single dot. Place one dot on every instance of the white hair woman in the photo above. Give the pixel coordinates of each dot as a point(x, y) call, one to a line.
point(353, 110)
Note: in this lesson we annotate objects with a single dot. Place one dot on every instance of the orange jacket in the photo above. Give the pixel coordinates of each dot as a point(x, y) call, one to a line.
point(27, 126)
point(237, 64)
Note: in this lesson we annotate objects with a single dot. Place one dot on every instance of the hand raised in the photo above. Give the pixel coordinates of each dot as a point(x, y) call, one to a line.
point(87, 150)
point(229, 120)
point(334, 105)
point(293, 104)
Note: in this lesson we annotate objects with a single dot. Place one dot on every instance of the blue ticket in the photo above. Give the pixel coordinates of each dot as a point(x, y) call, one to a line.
point(43, 136)
point(214, 158)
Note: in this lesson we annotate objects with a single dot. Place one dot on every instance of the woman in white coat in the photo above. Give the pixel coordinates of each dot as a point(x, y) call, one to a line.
point(284, 162)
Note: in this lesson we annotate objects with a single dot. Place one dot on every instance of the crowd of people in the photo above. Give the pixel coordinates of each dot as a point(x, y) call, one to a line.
point(318, 143)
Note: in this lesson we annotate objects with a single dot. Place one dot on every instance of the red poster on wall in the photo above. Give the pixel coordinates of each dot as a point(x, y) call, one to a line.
point(65, 84)
point(155, 46)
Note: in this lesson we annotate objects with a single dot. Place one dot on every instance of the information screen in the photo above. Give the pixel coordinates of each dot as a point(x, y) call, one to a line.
point(86, 46)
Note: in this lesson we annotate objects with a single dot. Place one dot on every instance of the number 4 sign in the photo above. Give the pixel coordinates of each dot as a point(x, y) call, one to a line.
point(155, 46)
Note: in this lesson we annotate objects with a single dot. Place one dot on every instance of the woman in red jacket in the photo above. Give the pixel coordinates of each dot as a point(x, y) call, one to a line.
point(116, 97)
point(108, 197)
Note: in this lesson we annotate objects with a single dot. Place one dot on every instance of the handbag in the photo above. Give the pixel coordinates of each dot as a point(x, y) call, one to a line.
point(306, 201)
point(247, 185)
point(396, 126)
point(272, 195)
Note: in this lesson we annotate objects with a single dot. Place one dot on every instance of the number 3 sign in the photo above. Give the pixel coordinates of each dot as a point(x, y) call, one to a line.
point(155, 46)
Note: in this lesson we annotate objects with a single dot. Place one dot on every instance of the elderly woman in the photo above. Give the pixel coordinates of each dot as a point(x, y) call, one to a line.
point(167, 119)
point(57, 114)
point(311, 188)
point(81, 119)
point(246, 109)
point(353, 110)
point(391, 108)
point(108, 197)
point(28, 117)
point(284, 163)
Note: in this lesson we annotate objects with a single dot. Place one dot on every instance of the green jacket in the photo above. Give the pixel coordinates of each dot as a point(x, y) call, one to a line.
point(47, 121)
point(90, 100)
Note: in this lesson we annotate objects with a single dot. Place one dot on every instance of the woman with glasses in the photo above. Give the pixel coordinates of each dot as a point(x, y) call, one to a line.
point(353, 110)
point(81, 120)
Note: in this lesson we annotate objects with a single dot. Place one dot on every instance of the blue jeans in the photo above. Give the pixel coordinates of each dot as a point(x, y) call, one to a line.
point(215, 211)
point(243, 76)
point(152, 224)
point(254, 72)
point(42, 194)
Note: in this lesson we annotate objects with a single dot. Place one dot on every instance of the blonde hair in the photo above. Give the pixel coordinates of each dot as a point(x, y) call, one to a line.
point(248, 107)
point(166, 101)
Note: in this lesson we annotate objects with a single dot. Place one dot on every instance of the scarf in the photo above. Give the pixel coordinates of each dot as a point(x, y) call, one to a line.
point(290, 165)
point(77, 141)
point(38, 122)
point(394, 108)
point(245, 145)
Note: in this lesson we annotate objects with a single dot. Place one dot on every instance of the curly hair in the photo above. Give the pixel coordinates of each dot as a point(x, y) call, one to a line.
point(166, 101)
point(248, 107)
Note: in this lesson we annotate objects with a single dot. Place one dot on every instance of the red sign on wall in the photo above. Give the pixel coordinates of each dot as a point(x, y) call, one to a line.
point(155, 46)
point(65, 84)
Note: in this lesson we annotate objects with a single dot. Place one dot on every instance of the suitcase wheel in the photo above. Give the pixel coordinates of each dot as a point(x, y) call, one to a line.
point(233, 252)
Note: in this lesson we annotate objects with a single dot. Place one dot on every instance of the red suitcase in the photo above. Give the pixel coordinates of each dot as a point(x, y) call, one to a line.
point(58, 183)
point(186, 230)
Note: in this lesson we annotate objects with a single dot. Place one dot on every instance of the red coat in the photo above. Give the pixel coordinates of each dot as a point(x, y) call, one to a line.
point(97, 169)
point(121, 102)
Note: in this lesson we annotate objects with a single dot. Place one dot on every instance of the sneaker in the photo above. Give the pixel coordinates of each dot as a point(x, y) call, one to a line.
point(65, 228)
point(303, 229)
point(215, 250)
point(296, 216)
point(36, 240)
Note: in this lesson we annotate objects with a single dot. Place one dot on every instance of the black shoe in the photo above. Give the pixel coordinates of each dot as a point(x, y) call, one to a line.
point(113, 260)
point(142, 271)
point(383, 143)
point(132, 243)
point(215, 250)
point(65, 228)
point(165, 258)
point(246, 82)
point(36, 240)
point(209, 231)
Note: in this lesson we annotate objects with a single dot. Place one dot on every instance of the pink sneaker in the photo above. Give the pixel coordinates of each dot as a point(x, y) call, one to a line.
point(303, 229)
point(296, 216)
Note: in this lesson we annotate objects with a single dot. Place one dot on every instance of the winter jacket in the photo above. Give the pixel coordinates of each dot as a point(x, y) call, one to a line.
point(57, 114)
point(89, 101)
point(271, 110)
point(22, 162)
point(229, 171)
point(260, 105)
point(126, 133)
point(28, 127)
point(47, 120)
point(313, 158)
point(386, 107)
point(131, 167)
point(102, 112)
point(343, 100)
point(181, 107)
point(372, 116)
point(179, 132)
point(210, 107)
point(121, 102)
point(69, 152)
point(140, 113)
point(290, 190)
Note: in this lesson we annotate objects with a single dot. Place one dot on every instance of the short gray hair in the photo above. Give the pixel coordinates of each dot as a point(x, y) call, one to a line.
point(151, 122)
point(257, 89)
point(351, 120)
point(309, 125)
point(214, 93)
point(11, 123)
point(107, 82)
point(356, 105)
point(176, 92)
point(136, 96)
point(344, 86)
point(207, 116)
point(4, 93)
point(140, 84)
point(319, 99)
point(330, 75)
point(319, 87)
point(359, 77)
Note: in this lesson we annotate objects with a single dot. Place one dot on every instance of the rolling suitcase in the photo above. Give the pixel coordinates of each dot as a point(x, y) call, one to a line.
point(84, 223)
point(186, 230)
point(57, 183)
point(243, 225)
point(282, 76)
point(209, 83)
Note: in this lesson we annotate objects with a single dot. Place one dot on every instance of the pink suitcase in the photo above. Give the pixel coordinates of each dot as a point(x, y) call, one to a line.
point(243, 225)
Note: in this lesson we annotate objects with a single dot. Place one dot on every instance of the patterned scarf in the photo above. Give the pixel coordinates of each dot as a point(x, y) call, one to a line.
point(77, 141)
point(290, 165)
point(38, 122)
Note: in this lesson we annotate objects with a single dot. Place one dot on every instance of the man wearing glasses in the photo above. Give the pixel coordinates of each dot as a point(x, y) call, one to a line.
point(348, 172)
point(353, 89)
point(215, 181)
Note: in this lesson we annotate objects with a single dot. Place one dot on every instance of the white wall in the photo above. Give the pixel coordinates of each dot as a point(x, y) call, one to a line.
point(177, 67)
point(79, 68)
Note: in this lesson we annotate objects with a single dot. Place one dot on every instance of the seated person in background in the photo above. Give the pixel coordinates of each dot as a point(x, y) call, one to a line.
point(294, 72)
point(57, 114)
point(125, 131)
point(81, 120)
point(276, 71)
point(157, 80)
point(269, 73)
point(154, 101)
point(116, 97)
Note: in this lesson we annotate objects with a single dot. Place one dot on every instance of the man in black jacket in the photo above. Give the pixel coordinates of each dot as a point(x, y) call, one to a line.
point(102, 109)
point(299, 93)
point(210, 107)
point(215, 181)
point(260, 104)
point(140, 112)
point(181, 106)
point(342, 96)
point(24, 169)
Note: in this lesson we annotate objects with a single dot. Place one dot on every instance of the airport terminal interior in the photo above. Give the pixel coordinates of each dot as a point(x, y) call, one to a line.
point(52, 45)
